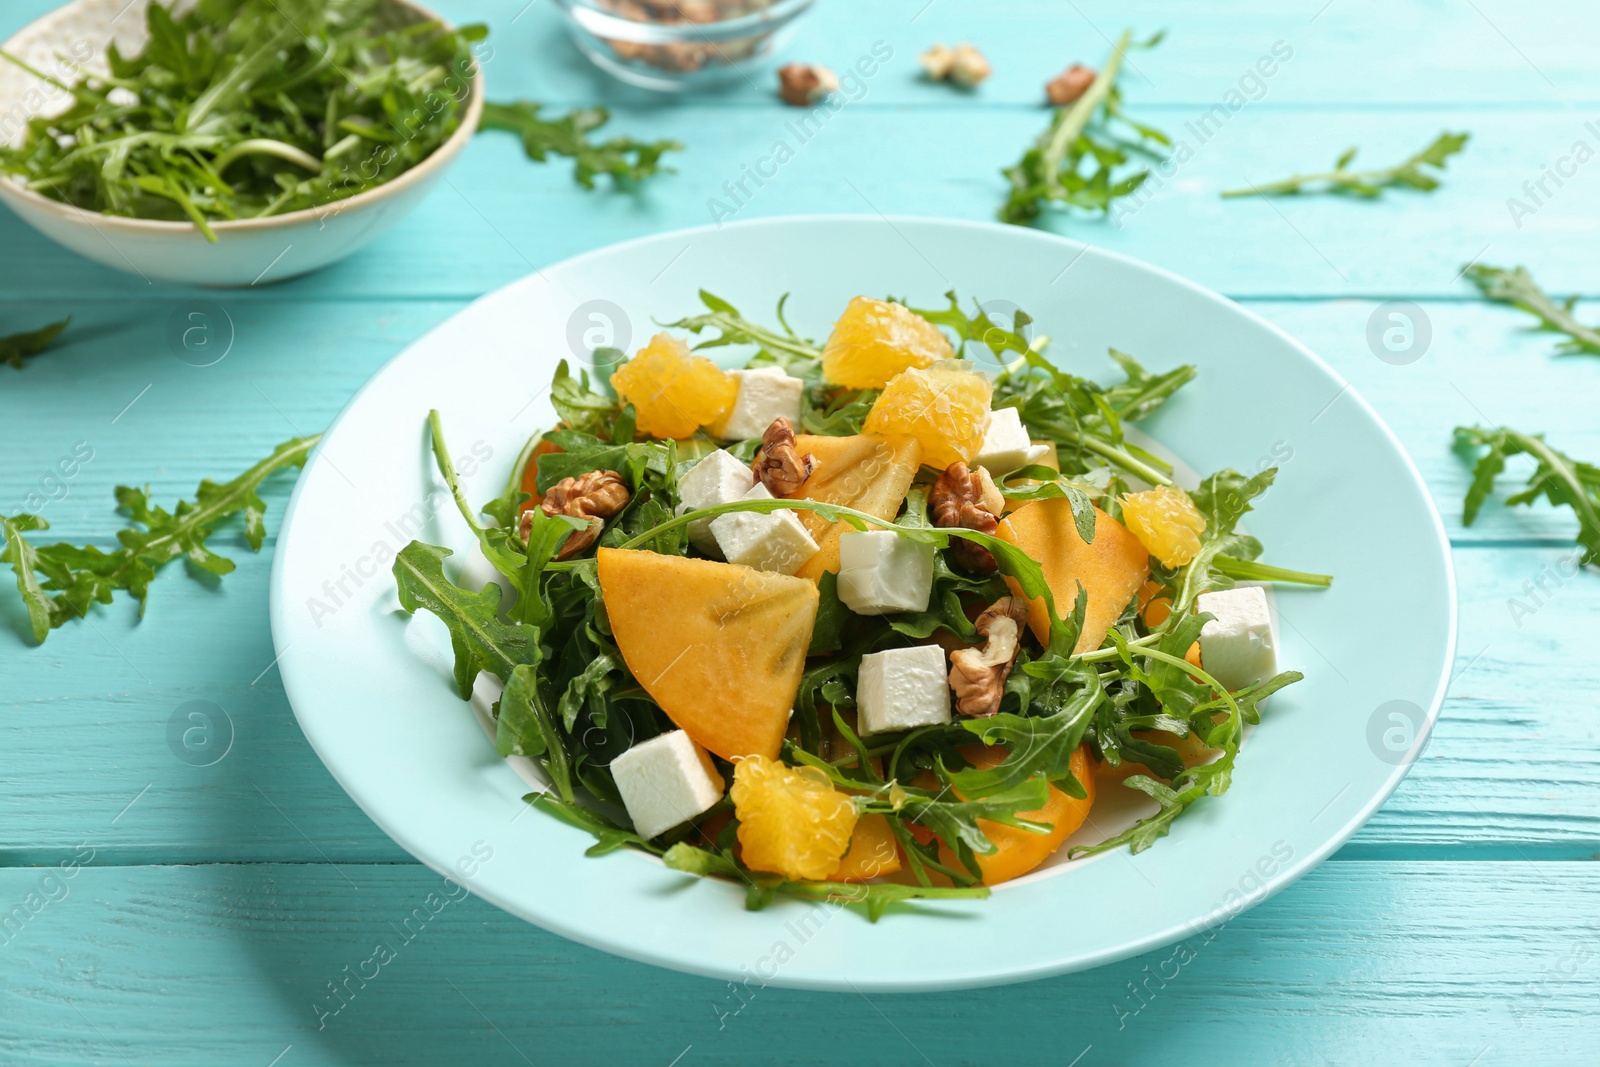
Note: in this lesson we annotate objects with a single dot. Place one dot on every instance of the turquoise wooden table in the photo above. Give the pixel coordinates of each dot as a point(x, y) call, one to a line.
point(212, 912)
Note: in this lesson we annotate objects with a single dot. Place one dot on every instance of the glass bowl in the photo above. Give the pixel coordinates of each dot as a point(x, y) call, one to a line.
point(675, 45)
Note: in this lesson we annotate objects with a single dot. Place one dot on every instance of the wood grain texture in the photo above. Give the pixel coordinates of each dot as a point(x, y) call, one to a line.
point(1459, 926)
point(1361, 963)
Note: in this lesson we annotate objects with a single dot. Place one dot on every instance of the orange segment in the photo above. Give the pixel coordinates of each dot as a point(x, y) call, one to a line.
point(1111, 569)
point(873, 851)
point(720, 647)
point(864, 472)
point(874, 340)
point(1166, 522)
point(791, 820)
point(945, 407)
point(673, 392)
point(1019, 851)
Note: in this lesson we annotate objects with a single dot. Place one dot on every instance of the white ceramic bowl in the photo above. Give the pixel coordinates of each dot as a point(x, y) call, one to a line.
point(247, 251)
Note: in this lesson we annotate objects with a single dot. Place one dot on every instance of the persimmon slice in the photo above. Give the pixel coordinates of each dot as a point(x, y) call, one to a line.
point(720, 647)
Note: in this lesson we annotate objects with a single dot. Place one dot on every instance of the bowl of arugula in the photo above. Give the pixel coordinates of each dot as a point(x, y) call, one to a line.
point(448, 698)
point(230, 142)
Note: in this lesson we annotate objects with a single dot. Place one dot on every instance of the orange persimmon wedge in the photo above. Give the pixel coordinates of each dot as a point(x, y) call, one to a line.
point(1112, 568)
point(720, 647)
point(1019, 851)
point(865, 472)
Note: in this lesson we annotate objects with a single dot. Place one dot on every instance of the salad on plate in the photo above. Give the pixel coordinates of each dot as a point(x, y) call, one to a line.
point(869, 620)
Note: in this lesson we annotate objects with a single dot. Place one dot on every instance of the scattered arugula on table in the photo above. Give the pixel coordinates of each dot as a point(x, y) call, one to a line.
point(243, 109)
point(1412, 173)
point(571, 704)
point(1517, 288)
point(1093, 130)
point(623, 158)
point(14, 347)
point(58, 582)
point(1557, 477)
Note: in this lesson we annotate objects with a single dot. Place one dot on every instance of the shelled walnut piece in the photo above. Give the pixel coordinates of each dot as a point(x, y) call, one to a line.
point(1066, 87)
point(964, 65)
point(803, 84)
point(968, 499)
point(978, 675)
point(595, 496)
point(778, 464)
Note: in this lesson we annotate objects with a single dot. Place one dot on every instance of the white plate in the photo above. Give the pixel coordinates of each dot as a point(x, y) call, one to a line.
point(372, 690)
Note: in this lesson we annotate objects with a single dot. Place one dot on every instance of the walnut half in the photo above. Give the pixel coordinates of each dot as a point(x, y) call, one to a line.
point(779, 465)
point(970, 500)
point(978, 675)
point(595, 496)
point(804, 84)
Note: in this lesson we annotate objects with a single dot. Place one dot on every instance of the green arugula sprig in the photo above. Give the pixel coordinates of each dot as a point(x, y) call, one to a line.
point(623, 159)
point(1557, 477)
point(14, 347)
point(1517, 288)
point(1409, 174)
point(1095, 130)
point(58, 582)
point(241, 109)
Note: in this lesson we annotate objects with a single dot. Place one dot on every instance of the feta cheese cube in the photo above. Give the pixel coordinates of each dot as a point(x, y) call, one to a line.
point(776, 541)
point(665, 781)
point(1006, 445)
point(902, 688)
point(1238, 646)
point(765, 393)
point(881, 572)
point(717, 479)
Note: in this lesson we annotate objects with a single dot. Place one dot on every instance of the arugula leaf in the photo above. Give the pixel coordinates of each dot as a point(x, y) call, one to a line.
point(1560, 479)
point(582, 408)
point(1039, 743)
point(14, 347)
point(1367, 183)
point(480, 640)
point(61, 580)
point(786, 349)
point(625, 160)
point(25, 562)
point(1244, 570)
point(525, 726)
point(831, 617)
point(609, 835)
point(1517, 288)
point(1084, 419)
point(1052, 170)
point(1053, 486)
point(980, 328)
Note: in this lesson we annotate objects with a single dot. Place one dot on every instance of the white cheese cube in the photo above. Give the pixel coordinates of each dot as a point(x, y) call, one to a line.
point(902, 688)
point(717, 479)
point(1006, 445)
point(1238, 646)
point(665, 781)
point(776, 541)
point(881, 572)
point(765, 393)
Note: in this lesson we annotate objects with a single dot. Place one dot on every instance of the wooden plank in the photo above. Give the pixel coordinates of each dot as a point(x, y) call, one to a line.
point(1511, 770)
point(294, 363)
point(492, 221)
point(1360, 963)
